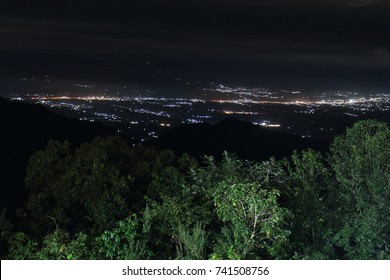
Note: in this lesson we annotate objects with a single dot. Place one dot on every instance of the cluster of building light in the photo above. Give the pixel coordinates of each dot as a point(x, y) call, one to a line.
point(241, 91)
point(239, 113)
point(150, 112)
point(266, 124)
point(192, 121)
point(357, 102)
point(107, 116)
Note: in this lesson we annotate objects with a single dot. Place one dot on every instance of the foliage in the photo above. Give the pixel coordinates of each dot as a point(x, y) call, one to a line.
point(361, 161)
point(55, 246)
point(95, 185)
point(308, 195)
point(5, 232)
point(108, 200)
point(21, 247)
point(122, 242)
point(191, 243)
point(78, 187)
point(177, 211)
point(245, 200)
point(255, 218)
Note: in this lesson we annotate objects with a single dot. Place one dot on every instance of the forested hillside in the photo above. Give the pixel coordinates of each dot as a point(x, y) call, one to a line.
point(106, 199)
point(26, 128)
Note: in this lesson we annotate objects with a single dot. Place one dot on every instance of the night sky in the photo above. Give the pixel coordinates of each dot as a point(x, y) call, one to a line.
point(318, 44)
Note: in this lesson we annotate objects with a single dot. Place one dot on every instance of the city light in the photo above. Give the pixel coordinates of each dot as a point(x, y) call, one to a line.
point(259, 106)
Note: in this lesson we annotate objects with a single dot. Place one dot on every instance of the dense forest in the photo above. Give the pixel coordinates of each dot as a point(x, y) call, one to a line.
point(107, 199)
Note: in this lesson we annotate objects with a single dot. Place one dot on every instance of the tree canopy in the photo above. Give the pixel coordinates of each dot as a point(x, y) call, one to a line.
point(107, 199)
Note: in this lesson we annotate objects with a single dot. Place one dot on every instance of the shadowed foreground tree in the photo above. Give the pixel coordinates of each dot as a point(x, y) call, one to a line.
point(95, 185)
point(79, 187)
point(127, 240)
point(308, 195)
point(223, 210)
point(252, 224)
point(361, 161)
point(108, 200)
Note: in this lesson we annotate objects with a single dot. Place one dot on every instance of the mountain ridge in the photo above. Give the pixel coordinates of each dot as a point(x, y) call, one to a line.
point(242, 138)
point(27, 128)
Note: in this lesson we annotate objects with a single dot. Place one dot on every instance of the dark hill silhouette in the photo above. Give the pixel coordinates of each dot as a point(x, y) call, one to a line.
point(26, 128)
point(244, 139)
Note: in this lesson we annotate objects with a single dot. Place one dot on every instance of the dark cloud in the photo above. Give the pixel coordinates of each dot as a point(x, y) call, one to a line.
point(233, 40)
point(366, 3)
